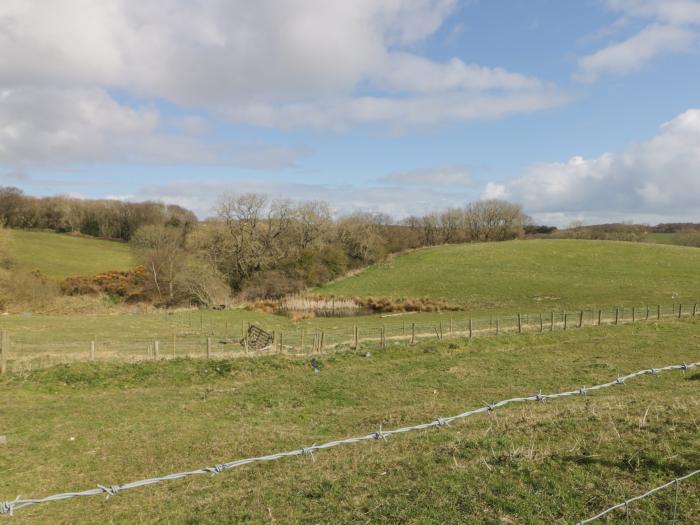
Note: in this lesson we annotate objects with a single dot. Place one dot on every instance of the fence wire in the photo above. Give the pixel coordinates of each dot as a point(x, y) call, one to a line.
point(626, 504)
point(8, 507)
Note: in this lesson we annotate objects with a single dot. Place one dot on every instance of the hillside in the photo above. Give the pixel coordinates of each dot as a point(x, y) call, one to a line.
point(61, 256)
point(535, 275)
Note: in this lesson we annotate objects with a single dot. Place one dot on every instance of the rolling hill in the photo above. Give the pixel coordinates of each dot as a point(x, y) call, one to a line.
point(59, 256)
point(534, 275)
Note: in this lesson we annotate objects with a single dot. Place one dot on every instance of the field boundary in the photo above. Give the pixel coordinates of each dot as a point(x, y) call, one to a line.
point(188, 339)
point(8, 507)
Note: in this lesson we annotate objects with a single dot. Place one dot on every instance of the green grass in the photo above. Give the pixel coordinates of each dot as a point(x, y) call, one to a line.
point(73, 427)
point(534, 275)
point(60, 256)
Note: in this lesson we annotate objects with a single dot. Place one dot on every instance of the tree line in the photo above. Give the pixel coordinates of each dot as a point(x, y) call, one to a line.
point(108, 219)
point(257, 247)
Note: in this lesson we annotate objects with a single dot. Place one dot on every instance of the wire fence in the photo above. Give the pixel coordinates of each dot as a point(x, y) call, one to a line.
point(626, 504)
point(187, 335)
point(8, 507)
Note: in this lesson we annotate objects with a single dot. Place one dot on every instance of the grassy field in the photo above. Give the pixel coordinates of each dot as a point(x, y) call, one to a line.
point(60, 256)
point(536, 274)
point(73, 427)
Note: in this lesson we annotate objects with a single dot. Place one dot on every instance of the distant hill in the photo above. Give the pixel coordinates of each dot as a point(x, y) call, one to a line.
point(60, 256)
point(535, 275)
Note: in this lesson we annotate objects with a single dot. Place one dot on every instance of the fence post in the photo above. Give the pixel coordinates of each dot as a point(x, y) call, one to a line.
point(658, 312)
point(600, 314)
point(92, 350)
point(634, 314)
point(470, 328)
point(497, 327)
point(383, 340)
point(541, 324)
point(357, 338)
point(404, 327)
point(208, 347)
point(695, 309)
point(413, 333)
point(301, 345)
point(156, 350)
point(520, 324)
point(580, 319)
point(323, 336)
point(566, 320)
point(450, 325)
point(551, 321)
point(647, 317)
point(617, 315)
point(680, 310)
point(4, 351)
point(440, 337)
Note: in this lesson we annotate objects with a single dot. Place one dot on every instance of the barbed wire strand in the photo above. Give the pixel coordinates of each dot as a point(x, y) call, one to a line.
point(8, 507)
point(626, 503)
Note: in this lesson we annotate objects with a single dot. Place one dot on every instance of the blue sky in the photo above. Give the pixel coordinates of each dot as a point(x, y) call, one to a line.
point(580, 110)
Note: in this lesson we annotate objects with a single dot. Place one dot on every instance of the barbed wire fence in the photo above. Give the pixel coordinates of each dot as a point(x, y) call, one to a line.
point(626, 504)
point(9, 507)
point(188, 335)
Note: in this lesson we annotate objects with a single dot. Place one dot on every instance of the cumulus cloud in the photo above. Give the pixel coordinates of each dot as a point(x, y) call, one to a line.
point(458, 175)
point(654, 180)
point(672, 27)
point(277, 63)
point(52, 126)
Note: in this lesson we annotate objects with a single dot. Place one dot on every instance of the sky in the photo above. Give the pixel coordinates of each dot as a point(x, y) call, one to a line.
point(580, 110)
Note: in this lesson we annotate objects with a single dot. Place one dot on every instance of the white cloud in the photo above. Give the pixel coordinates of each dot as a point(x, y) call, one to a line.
point(280, 63)
point(636, 52)
point(654, 180)
point(47, 126)
point(672, 27)
point(457, 175)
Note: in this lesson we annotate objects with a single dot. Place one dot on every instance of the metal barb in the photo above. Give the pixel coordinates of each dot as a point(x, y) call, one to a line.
point(110, 490)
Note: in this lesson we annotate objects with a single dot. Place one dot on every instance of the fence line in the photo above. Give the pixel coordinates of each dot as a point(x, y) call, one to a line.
point(625, 504)
point(178, 338)
point(8, 507)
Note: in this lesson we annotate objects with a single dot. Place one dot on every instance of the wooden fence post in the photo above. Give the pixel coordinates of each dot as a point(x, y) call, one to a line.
point(4, 351)
point(357, 338)
point(600, 314)
point(680, 310)
point(617, 315)
point(440, 337)
point(551, 321)
point(658, 312)
point(208, 347)
point(383, 339)
point(695, 309)
point(470, 328)
point(92, 350)
point(323, 337)
point(647, 317)
point(541, 324)
point(580, 319)
point(497, 327)
point(566, 320)
point(520, 324)
point(634, 314)
point(413, 333)
point(156, 350)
